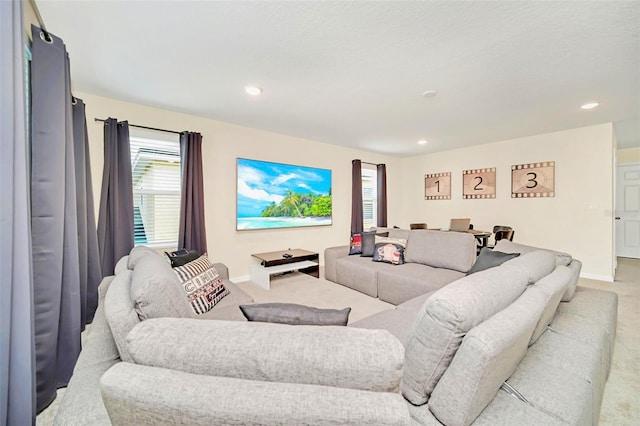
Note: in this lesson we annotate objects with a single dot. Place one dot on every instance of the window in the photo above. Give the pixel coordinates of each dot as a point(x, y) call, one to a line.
point(155, 169)
point(369, 198)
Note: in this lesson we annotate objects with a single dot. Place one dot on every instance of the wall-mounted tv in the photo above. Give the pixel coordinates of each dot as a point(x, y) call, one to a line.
point(276, 195)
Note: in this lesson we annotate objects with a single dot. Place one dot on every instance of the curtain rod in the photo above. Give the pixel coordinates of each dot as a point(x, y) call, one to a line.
point(145, 127)
point(371, 164)
point(38, 16)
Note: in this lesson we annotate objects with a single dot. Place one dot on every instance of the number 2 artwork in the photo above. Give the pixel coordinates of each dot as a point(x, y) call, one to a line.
point(479, 183)
point(533, 180)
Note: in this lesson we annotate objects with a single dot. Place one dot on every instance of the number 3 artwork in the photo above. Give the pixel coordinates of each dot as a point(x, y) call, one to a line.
point(533, 180)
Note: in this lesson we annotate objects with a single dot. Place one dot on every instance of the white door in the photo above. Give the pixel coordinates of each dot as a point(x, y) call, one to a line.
point(628, 211)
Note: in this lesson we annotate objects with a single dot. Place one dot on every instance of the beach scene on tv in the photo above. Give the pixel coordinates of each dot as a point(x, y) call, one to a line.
point(275, 195)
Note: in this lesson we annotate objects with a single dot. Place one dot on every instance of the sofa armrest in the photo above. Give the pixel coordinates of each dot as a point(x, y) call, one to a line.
point(222, 269)
point(320, 355)
point(159, 396)
point(332, 254)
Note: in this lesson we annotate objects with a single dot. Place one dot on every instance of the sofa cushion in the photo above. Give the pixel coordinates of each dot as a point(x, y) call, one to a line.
point(209, 400)
point(535, 264)
point(119, 311)
point(574, 356)
point(504, 409)
point(552, 287)
point(446, 317)
point(399, 323)
point(488, 355)
point(490, 259)
point(294, 314)
point(137, 253)
point(359, 273)
point(575, 267)
point(507, 246)
point(554, 390)
point(121, 265)
point(201, 283)
point(397, 285)
point(393, 232)
point(449, 250)
point(368, 242)
point(156, 291)
point(389, 250)
point(328, 356)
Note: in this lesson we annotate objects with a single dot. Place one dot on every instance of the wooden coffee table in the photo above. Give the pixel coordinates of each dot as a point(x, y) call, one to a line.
point(263, 265)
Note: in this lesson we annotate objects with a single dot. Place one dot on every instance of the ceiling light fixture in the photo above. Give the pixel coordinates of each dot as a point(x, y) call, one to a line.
point(429, 93)
point(590, 105)
point(422, 142)
point(253, 90)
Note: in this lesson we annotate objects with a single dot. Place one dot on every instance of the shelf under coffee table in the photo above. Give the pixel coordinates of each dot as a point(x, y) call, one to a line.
point(263, 265)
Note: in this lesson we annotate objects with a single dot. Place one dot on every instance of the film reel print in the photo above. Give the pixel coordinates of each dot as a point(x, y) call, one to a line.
point(479, 183)
point(437, 186)
point(533, 180)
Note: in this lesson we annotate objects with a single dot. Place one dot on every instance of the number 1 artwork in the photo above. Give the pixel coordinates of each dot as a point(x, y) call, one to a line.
point(437, 186)
point(533, 180)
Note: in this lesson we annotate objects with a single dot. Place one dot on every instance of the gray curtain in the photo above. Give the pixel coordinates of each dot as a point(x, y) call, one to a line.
point(54, 224)
point(115, 219)
point(357, 217)
point(17, 370)
point(192, 234)
point(89, 261)
point(64, 241)
point(381, 171)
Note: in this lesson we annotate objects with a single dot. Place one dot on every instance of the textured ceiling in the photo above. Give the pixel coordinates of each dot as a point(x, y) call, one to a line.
point(353, 73)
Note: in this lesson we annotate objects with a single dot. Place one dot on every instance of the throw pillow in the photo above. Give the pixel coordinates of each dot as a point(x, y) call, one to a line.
point(389, 250)
point(181, 257)
point(292, 314)
point(355, 245)
point(490, 259)
point(202, 284)
point(368, 242)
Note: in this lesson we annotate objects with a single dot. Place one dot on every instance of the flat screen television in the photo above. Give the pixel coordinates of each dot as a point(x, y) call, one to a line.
point(275, 195)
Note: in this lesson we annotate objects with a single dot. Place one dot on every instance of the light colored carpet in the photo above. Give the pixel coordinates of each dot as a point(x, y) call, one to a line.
point(621, 403)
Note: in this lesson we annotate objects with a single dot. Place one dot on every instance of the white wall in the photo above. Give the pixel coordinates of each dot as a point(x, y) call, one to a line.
point(577, 220)
point(628, 155)
point(222, 144)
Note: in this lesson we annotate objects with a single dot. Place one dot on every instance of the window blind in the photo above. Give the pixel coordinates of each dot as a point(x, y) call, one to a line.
point(369, 198)
point(156, 175)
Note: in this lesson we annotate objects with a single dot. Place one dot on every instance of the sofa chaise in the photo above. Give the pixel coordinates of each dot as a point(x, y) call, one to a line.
point(514, 344)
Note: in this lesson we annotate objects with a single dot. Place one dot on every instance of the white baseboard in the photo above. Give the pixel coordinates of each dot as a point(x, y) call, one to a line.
point(597, 277)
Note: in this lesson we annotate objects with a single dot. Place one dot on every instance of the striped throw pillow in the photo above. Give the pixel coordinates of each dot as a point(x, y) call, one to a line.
point(202, 284)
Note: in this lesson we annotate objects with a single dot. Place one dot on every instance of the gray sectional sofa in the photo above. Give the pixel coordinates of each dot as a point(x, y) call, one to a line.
point(515, 344)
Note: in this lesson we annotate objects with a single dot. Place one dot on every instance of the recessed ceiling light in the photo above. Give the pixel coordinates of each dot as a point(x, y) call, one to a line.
point(422, 142)
point(590, 105)
point(429, 93)
point(253, 90)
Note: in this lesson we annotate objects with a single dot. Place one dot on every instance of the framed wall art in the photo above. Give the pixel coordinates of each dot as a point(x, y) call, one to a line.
point(533, 180)
point(479, 183)
point(437, 186)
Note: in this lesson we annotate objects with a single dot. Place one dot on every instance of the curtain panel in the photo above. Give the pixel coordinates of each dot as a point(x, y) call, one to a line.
point(115, 217)
point(17, 347)
point(381, 171)
point(192, 233)
point(357, 217)
point(64, 250)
